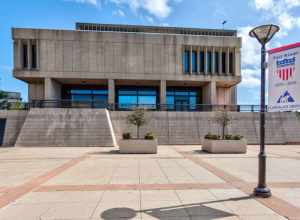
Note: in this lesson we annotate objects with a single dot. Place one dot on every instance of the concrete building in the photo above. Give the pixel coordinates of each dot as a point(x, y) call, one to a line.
point(128, 64)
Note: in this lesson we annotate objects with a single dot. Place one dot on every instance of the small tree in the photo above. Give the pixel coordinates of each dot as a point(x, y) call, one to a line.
point(138, 119)
point(223, 120)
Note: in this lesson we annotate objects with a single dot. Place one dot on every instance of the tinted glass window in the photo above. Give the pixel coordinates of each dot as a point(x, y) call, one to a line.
point(34, 57)
point(25, 56)
point(223, 62)
point(231, 62)
point(209, 61)
point(194, 61)
point(201, 61)
point(217, 62)
point(186, 61)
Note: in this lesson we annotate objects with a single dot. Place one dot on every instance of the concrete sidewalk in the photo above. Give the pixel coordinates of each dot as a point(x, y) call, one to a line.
point(180, 182)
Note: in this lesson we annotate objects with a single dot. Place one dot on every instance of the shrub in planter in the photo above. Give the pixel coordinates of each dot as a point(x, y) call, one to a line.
point(210, 136)
point(127, 136)
point(149, 136)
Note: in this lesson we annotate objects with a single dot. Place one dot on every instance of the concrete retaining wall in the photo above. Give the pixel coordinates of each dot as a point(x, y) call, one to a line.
point(190, 127)
point(14, 123)
point(65, 128)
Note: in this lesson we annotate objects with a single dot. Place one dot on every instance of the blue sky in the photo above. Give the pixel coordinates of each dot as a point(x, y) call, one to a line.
point(240, 14)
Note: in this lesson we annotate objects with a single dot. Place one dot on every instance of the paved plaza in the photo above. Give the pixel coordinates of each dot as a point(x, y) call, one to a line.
point(179, 183)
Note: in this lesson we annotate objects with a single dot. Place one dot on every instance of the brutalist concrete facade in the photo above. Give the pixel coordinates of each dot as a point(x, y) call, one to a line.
point(112, 55)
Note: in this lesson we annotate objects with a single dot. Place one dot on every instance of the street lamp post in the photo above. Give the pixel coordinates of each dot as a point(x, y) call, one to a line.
point(263, 34)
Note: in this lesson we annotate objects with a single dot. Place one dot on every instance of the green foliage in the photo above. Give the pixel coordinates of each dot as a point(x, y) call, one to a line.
point(3, 95)
point(127, 136)
point(17, 106)
point(210, 136)
point(138, 119)
point(150, 136)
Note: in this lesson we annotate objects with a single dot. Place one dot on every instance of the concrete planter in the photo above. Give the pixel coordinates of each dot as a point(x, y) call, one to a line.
point(138, 146)
point(225, 146)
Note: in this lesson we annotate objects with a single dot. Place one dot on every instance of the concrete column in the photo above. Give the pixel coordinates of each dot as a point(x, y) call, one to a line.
point(205, 60)
point(29, 54)
point(191, 63)
point(220, 61)
point(233, 95)
point(163, 88)
point(17, 54)
point(227, 61)
point(237, 61)
point(213, 61)
point(111, 91)
point(210, 93)
point(52, 89)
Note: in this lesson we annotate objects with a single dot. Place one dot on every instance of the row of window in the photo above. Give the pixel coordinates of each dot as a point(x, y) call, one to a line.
point(130, 97)
point(29, 54)
point(197, 61)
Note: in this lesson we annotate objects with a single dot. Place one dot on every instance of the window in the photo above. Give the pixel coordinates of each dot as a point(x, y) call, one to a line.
point(231, 62)
point(223, 62)
point(182, 99)
point(89, 95)
point(186, 61)
point(25, 56)
point(194, 61)
point(201, 55)
point(33, 56)
point(131, 97)
point(209, 61)
point(217, 62)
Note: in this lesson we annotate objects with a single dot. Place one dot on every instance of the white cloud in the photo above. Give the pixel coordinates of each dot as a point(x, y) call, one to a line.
point(250, 78)
point(264, 4)
point(250, 48)
point(92, 2)
point(119, 13)
point(157, 8)
point(281, 12)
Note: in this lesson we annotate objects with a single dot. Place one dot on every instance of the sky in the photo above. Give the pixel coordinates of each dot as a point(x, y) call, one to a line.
point(241, 15)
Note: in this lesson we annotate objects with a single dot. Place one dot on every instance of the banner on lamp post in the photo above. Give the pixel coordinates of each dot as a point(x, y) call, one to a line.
point(284, 78)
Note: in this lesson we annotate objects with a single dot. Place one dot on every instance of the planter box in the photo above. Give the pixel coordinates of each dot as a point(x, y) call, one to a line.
point(225, 146)
point(138, 146)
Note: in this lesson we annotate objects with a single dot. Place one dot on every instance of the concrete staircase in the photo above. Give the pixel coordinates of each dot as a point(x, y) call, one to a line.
point(66, 128)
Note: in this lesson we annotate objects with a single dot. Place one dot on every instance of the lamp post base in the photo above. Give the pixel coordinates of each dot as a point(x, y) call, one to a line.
point(263, 192)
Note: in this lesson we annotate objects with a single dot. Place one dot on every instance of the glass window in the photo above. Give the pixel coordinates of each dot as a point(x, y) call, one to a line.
point(34, 57)
point(209, 61)
point(217, 62)
point(223, 62)
point(25, 56)
point(181, 99)
point(201, 61)
point(186, 61)
point(92, 95)
point(194, 61)
point(131, 97)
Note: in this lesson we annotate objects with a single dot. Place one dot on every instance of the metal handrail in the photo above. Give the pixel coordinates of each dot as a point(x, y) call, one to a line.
point(66, 103)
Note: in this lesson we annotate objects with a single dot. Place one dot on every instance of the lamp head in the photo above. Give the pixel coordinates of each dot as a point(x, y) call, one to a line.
point(264, 33)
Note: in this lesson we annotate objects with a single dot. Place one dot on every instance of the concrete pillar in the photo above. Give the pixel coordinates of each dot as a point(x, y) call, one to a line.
point(205, 60)
point(237, 61)
point(29, 54)
point(220, 62)
point(163, 88)
point(191, 62)
point(213, 61)
point(17, 54)
point(233, 95)
point(227, 61)
point(210, 93)
point(111, 91)
point(52, 89)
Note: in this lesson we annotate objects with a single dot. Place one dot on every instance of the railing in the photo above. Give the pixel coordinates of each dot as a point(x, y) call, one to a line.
point(129, 107)
point(5, 105)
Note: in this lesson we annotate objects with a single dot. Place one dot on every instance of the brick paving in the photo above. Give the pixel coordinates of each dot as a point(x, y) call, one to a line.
point(180, 182)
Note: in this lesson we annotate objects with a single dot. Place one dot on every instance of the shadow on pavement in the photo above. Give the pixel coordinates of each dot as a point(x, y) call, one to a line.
point(194, 209)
